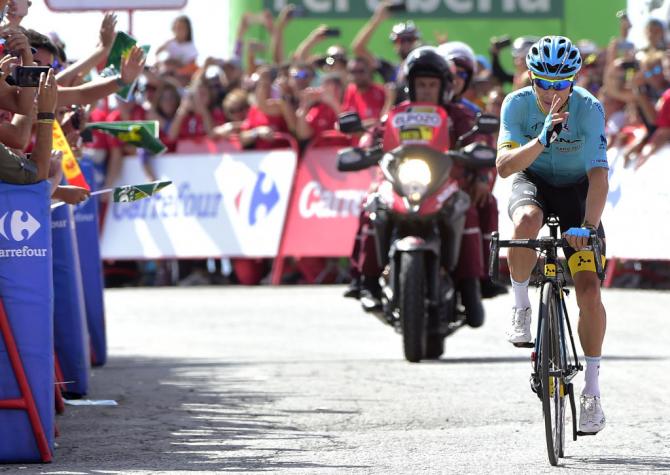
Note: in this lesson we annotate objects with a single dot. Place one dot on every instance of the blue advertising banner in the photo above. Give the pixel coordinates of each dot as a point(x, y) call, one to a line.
point(88, 241)
point(70, 328)
point(26, 288)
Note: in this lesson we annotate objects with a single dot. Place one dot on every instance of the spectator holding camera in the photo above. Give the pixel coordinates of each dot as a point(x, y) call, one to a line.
point(404, 35)
point(15, 168)
point(519, 51)
point(319, 108)
point(267, 115)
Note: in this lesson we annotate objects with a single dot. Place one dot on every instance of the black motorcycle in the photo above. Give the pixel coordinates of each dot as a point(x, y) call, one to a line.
point(418, 214)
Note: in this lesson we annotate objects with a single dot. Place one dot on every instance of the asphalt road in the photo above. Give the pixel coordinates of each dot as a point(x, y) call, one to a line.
point(298, 380)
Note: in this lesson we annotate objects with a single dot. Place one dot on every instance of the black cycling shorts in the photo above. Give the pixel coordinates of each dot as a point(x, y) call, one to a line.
point(566, 202)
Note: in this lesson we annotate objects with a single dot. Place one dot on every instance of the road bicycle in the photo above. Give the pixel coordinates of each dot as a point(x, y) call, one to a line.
point(554, 358)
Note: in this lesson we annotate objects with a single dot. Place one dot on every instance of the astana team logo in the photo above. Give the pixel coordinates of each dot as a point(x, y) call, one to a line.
point(18, 225)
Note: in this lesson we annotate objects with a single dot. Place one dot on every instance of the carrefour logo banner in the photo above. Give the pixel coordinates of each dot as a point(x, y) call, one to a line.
point(219, 205)
point(326, 206)
point(23, 227)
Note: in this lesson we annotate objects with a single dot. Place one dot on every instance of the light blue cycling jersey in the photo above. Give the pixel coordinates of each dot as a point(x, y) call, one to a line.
point(580, 146)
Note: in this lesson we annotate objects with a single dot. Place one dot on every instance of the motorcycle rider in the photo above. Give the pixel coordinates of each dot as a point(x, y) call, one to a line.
point(482, 217)
point(428, 79)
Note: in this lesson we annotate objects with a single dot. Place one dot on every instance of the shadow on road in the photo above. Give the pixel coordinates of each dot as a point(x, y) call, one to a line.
point(622, 464)
point(526, 358)
point(180, 415)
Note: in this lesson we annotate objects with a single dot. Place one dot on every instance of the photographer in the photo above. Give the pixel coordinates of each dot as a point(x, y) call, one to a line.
point(18, 169)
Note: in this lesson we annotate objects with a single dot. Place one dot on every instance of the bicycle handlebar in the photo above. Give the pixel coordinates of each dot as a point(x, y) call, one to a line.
point(541, 244)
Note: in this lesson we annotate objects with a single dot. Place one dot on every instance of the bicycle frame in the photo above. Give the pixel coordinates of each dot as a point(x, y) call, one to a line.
point(553, 281)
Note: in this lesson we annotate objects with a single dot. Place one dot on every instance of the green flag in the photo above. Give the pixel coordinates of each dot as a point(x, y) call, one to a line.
point(140, 133)
point(128, 193)
point(122, 45)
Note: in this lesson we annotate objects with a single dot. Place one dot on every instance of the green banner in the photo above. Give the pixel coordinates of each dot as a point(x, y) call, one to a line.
point(140, 133)
point(445, 9)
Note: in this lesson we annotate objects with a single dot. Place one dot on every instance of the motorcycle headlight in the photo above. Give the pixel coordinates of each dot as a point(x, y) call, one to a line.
point(414, 177)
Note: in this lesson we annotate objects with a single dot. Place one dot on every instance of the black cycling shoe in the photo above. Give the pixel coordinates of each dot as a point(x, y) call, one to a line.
point(490, 289)
point(472, 301)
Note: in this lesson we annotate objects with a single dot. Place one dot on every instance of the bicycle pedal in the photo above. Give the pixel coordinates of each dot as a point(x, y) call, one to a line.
point(528, 344)
point(580, 433)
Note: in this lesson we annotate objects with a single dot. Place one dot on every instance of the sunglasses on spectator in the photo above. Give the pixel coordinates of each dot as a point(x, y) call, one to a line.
point(653, 72)
point(301, 74)
point(556, 84)
point(356, 72)
point(464, 75)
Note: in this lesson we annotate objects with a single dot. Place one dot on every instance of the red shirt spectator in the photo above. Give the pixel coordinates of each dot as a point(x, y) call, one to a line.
point(321, 117)
point(257, 118)
point(193, 126)
point(368, 103)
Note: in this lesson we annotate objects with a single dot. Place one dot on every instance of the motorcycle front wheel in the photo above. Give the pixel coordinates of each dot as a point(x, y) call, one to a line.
point(413, 305)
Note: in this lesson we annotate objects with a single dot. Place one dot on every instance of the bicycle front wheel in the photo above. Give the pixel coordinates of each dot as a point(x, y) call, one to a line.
point(551, 377)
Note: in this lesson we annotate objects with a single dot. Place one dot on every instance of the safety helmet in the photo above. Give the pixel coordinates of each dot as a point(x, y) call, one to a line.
point(425, 61)
point(554, 57)
point(460, 54)
point(405, 28)
point(522, 44)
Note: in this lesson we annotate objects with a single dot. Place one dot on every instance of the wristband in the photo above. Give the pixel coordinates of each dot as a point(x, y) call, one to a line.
point(587, 225)
point(45, 121)
point(46, 116)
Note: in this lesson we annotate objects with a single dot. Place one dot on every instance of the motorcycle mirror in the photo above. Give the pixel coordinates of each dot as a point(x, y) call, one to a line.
point(351, 159)
point(480, 155)
point(350, 123)
point(487, 124)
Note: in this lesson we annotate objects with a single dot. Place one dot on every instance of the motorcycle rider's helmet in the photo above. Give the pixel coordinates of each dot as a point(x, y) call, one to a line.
point(554, 57)
point(425, 61)
point(404, 29)
point(461, 55)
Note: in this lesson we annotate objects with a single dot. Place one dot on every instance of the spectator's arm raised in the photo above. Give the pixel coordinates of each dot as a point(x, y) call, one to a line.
point(83, 66)
point(360, 44)
point(12, 98)
point(47, 98)
point(277, 42)
point(88, 93)
point(304, 49)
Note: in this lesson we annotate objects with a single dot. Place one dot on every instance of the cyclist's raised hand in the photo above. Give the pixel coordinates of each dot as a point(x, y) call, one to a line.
point(553, 123)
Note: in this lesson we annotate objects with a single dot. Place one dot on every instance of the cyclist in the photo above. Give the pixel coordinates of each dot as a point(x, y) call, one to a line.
point(552, 137)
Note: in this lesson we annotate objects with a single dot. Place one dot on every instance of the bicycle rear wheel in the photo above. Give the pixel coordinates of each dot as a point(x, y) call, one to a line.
point(551, 378)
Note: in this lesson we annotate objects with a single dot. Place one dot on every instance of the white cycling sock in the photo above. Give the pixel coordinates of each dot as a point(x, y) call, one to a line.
point(591, 386)
point(521, 299)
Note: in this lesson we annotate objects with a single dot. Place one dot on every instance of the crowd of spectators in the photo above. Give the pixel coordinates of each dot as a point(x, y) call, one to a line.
point(255, 103)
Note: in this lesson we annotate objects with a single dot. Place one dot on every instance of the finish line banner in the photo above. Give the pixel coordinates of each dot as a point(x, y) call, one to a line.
point(636, 216)
point(218, 205)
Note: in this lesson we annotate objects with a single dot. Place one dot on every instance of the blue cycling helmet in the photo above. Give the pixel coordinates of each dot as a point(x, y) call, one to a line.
point(554, 57)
